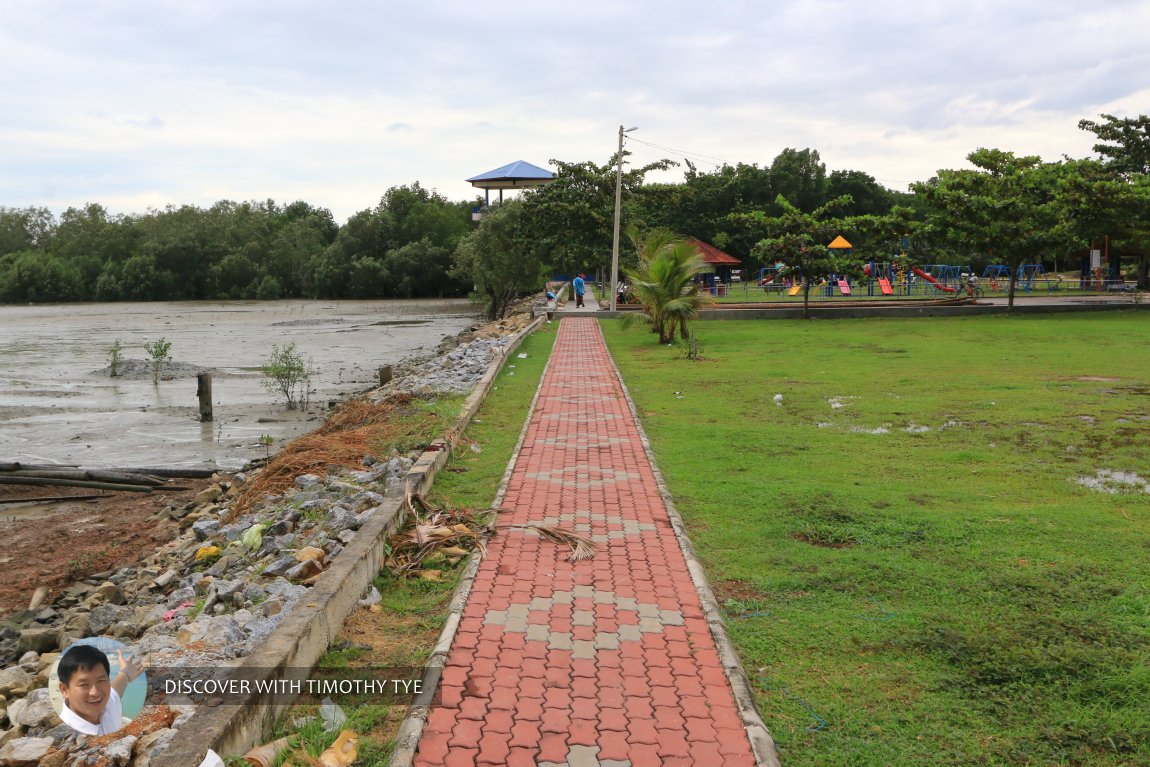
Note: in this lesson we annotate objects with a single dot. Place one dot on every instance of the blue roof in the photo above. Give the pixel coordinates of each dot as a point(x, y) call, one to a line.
point(516, 171)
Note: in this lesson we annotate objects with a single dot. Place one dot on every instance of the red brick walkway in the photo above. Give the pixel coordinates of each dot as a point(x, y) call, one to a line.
point(608, 661)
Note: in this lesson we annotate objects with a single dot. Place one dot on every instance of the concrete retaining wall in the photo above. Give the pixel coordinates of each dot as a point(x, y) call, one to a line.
point(305, 634)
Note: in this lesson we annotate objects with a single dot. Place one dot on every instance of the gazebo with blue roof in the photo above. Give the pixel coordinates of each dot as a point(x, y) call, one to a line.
point(516, 175)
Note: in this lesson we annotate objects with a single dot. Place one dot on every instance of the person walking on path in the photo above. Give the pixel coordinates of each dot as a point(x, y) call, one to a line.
point(580, 288)
point(605, 661)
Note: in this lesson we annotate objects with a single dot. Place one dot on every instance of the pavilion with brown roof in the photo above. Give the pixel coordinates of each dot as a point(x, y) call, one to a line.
point(721, 263)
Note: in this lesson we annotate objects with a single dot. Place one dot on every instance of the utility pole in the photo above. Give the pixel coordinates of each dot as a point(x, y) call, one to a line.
point(618, 205)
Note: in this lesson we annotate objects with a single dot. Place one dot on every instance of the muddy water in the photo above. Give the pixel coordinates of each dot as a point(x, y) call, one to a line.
point(57, 406)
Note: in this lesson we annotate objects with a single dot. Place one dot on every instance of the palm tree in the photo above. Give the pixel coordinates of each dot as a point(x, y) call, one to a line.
point(664, 283)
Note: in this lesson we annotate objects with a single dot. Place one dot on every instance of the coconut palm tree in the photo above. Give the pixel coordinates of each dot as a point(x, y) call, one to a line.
point(664, 283)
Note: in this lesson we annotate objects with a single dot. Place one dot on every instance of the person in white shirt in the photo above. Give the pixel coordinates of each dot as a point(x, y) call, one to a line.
point(92, 702)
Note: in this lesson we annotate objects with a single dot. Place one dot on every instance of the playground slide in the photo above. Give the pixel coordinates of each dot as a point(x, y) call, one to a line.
point(794, 291)
point(933, 281)
point(844, 287)
point(884, 286)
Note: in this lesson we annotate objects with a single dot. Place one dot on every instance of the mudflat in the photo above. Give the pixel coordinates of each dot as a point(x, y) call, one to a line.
point(59, 404)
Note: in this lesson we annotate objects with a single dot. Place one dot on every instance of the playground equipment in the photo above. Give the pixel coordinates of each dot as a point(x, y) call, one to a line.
point(881, 274)
point(1028, 273)
point(933, 280)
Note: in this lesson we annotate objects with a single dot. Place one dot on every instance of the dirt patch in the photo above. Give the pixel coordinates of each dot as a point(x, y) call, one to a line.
point(56, 544)
point(822, 544)
point(736, 588)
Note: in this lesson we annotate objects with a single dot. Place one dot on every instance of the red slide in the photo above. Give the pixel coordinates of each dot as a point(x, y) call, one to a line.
point(933, 281)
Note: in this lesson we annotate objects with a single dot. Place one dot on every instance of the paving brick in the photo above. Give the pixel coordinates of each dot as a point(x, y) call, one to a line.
point(493, 748)
point(433, 747)
point(461, 757)
point(466, 734)
point(605, 662)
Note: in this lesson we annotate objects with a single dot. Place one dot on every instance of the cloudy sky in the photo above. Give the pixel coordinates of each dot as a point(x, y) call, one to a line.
point(144, 103)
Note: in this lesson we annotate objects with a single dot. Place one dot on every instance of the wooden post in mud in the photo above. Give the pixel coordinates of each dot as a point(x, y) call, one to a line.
point(384, 374)
point(204, 392)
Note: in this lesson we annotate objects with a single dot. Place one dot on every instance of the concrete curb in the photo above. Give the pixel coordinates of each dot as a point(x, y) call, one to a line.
point(762, 744)
point(305, 634)
point(411, 730)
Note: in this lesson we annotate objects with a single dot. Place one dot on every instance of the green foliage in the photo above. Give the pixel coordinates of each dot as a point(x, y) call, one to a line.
point(664, 282)
point(570, 221)
point(286, 373)
point(799, 241)
point(500, 258)
point(115, 357)
point(1006, 207)
point(159, 351)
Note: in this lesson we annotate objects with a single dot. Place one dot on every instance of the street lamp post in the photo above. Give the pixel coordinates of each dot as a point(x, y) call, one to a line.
point(618, 204)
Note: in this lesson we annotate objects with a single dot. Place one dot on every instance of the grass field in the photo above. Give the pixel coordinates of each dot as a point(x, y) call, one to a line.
point(911, 570)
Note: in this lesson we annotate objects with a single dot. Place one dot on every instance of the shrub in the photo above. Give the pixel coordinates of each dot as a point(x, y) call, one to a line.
point(287, 373)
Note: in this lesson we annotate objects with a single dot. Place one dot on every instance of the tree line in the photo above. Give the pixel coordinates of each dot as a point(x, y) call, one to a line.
point(401, 248)
point(415, 243)
point(1005, 209)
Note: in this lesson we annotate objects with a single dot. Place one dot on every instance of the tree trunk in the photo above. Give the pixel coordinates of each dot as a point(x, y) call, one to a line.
point(807, 300)
point(1010, 291)
point(1144, 272)
point(493, 305)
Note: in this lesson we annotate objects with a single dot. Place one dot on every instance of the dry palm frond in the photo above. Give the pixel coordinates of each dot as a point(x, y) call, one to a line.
point(434, 532)
point(582, 547)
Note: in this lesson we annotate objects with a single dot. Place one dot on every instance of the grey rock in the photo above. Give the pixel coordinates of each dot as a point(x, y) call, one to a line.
point(205, 529)
point(282, 527)
point(280, 566)
point(217, 630)
point(37, 711)
point(105, 616)
point(30, 658)
point(365, 500)
point(126, 630)
point(283, 542)
point(165, 578)
point(221, 566)
point(304, 570)
point(342, 518)
point(155, 641)
point(108, 593)
point(253, 593)
point(181, 595)
point(259, 629)
point(62, 735)
point(307, 481)
point(152, 744)
point(15, 682)
point(78, 622)
point(119, 752)
point(46, 615)
point(346, 536)
point(25, 752)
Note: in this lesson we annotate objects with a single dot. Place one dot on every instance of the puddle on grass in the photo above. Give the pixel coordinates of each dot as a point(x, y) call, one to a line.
point(874, 430)
point(839, 402)
point(1108, 481)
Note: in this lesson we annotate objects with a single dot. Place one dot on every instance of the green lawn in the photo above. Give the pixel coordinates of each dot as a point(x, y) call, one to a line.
point(911, 572)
